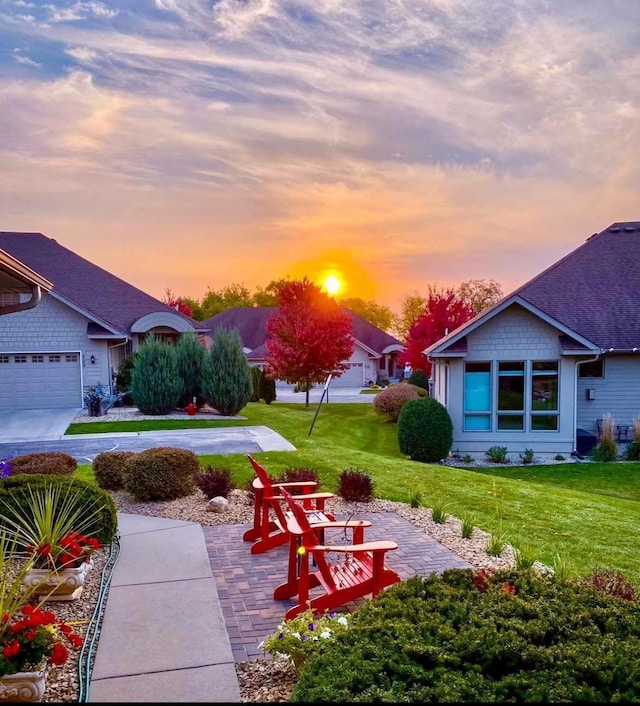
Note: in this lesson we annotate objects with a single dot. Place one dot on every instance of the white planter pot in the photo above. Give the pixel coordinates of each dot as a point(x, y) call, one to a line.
point(23, 686)
point(62, 585)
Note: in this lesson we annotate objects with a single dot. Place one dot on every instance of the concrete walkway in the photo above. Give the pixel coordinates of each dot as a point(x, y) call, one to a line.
point(163, 636)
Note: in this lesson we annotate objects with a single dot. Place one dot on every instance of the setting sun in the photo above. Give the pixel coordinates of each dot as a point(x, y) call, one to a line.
point(332, 285)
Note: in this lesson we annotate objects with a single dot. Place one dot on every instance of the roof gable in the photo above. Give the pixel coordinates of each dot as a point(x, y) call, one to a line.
point(88, 287)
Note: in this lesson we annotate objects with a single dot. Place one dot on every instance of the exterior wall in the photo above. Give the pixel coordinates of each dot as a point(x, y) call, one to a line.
point(514, 334)
point(55, 327)
point(618, 392)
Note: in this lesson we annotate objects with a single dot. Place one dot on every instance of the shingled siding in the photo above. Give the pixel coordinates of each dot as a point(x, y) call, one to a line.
point(54, 327)
point(514, 334)
point(618, 392)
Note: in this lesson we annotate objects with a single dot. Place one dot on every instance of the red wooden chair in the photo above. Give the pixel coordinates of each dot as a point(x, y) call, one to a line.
point(362, 571)
point(269, 517)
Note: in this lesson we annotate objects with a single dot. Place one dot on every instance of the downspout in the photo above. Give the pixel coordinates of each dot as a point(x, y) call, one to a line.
point(575, 400)
point(36, 296)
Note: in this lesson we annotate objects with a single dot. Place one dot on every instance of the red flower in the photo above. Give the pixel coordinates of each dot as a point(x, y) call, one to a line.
point(6, 617)
point(30, 634)
point(27, 609)
point(75, 640)
point(509, 589)
point(44, 550)
point(48, 617)
point(66, 629)
point(11, 649)
point(59, 654)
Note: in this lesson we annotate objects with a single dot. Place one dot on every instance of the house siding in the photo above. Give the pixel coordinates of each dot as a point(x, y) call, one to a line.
point(618, 392)
point(514, 334)
point(54, 327)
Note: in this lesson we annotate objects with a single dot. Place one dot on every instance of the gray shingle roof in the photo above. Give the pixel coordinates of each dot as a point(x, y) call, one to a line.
point(86, 285)
point(595, 290)
point(250, 323)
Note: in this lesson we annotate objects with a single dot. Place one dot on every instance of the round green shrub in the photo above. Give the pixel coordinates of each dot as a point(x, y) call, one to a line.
point(15, 498)
point(109, 468)
point(425, 431)
point(51, 463)
point(390, 401)
point(471, 637)
point(163, 473)
point(633, 451)
point(419, 378)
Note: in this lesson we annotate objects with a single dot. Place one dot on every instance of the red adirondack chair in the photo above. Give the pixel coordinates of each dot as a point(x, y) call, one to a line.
point(269, 516)
point(361, 572)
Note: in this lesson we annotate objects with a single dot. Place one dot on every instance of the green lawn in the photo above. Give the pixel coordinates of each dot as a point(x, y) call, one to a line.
point(584, 514)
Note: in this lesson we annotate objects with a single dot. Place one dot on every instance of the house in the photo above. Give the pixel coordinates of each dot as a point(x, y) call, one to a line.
point(374, 356)
point(79, 332)
point(540, 369)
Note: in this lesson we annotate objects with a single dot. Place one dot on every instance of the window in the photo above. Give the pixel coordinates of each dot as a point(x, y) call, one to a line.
point(71, 358)
point(37, 359)
point(54, 358)
point(4, 358)
point(477, 396)
point(544, 396)
point(20, 358)
point(593, 369)
point(511, 396)
point(383, 363)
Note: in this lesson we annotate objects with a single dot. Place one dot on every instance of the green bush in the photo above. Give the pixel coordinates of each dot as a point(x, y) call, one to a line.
point(267, 389)
point(190, 353)
point(425, 431)
point(162, 473)
point(155, 384)
point(123, 377)
point(227, 383)
point(52, 463)
point(419, 378)
point(390, 401)
point(527, 456)
point(497, 454)
point(14, 493)
point(472, 637)
point(109, 468)
point(633, 451)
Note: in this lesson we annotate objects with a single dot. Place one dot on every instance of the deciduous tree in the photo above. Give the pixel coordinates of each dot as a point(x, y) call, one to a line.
point(443, 313)
point(411, 307)
point(377, 314)
point(479, 294)
point(309, 336)
point(181, 304)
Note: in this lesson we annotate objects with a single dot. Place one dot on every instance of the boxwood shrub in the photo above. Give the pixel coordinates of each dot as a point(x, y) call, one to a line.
point(473, 637)
point(390, 401)
point(162, 473)
point(52, 463)
point(14, 491)
point(109, 468)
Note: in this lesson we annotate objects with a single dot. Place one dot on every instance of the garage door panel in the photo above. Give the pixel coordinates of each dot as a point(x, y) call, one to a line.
point(353, 377)
point(37, 380)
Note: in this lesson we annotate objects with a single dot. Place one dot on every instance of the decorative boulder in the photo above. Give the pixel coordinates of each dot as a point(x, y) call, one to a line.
point(218, 504)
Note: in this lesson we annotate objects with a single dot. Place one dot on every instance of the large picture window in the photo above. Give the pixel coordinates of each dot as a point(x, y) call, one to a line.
point(544, 396)
point(477, 396)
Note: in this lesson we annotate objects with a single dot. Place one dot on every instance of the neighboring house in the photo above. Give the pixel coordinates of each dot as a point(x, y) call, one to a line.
point(80, 331)
point(539, 369)
point(374, 356)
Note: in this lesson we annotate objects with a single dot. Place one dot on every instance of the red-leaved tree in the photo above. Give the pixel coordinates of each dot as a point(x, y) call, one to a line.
point(443, 313)
point(177, 303)
point(308, 337)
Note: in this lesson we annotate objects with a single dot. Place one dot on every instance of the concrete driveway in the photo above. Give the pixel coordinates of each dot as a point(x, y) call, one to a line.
point(32, 424)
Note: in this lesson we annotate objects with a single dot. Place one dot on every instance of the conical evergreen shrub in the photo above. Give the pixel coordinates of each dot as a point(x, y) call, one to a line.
point(227, 381)
point(190, 358)
point(267, 389)
point(155, 384)
point(256, 379)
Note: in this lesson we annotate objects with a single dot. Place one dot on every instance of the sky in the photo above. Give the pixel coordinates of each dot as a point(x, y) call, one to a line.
point(192, 144)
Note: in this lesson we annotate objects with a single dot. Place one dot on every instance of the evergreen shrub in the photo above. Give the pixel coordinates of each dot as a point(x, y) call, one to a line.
point(227, 383)
point(256, 381)
point(109, 468)
point(267, 389)
point(14, 492)
point(390, 401)
point(419, 378)
point(51, 463)
point(190, 354)
point(155, 384)
point(162, 473)
point(425, 431)
point(475, 637)
point(123, 378)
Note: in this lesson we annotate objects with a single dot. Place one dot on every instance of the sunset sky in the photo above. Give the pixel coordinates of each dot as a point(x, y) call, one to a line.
point(190, 144)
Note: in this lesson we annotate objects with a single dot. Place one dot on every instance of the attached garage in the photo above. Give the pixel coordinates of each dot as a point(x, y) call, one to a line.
point(40, 380)
point(353, 377)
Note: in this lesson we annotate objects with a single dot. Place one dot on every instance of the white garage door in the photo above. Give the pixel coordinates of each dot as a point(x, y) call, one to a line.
point(353, 377)
point(39, 380)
